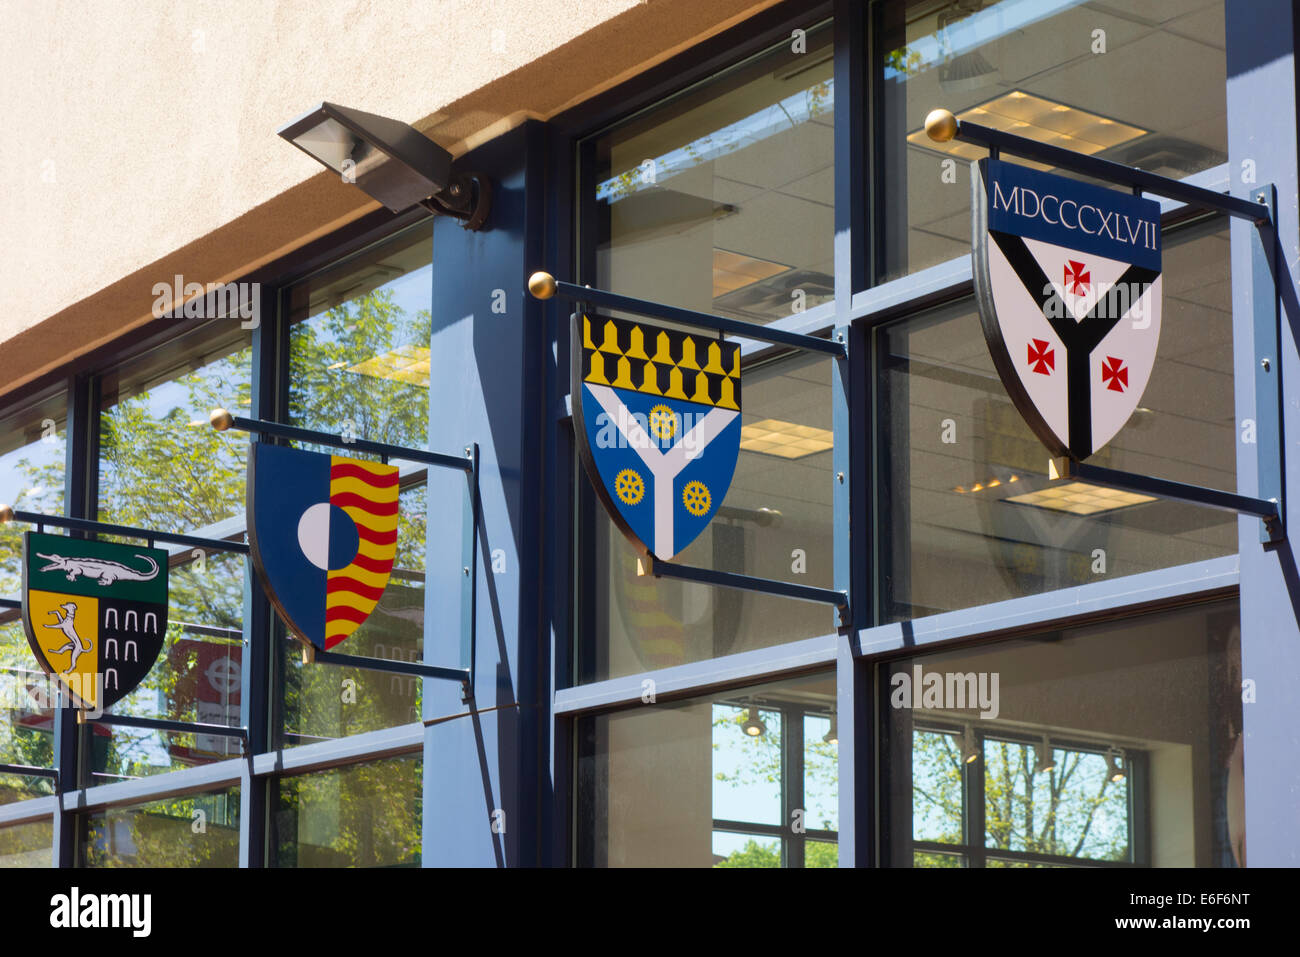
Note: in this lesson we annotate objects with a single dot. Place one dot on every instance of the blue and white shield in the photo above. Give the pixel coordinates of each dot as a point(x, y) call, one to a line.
point(657, 418)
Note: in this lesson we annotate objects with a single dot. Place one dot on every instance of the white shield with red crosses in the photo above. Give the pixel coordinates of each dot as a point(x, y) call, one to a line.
point(1067, 279)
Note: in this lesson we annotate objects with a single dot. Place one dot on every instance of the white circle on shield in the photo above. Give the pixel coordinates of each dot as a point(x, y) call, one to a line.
point(314, 534)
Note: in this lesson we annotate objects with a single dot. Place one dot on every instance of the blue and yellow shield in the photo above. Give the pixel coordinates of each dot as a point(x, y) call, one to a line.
point(323, 537)
point(657, 418)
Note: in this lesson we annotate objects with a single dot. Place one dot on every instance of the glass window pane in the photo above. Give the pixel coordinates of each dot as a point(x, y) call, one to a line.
point(705, 780)
point(362, 815)
point(1154, 99)
point(1141, 720)
point(1073, 810)
point(359, 343)
point(821, 854)
point(960, 459)
point(359, 366)
point(929, 859)
point(745, 850)
point(821, 769)
point(938, 808)
point(775, 522)
point(196, 677)
point(747, 760)
point(27, 845)
point(198, 831)
point(32, 450)
point(722, 199)
point(161, 464)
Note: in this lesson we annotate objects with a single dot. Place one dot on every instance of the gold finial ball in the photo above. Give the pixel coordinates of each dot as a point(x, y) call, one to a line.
point(941, 125)
point(221, 419)
point(6, 514)
point(541, 285)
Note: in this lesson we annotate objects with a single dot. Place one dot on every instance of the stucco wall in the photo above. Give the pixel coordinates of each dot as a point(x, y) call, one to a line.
point(142, 132)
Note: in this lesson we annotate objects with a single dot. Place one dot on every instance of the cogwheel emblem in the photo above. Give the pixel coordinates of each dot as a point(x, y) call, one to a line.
point(696, 498)
point(663, 422)
point(629, 486)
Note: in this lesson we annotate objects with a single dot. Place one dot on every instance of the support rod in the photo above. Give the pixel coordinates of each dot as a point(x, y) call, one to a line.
point(223, 420)
point(765, 586)
point(109, 528)
point(1265, 509)
point(941, 126)
point(543, 286)
point(28, 771)
point(312, 654)
point(164, 724)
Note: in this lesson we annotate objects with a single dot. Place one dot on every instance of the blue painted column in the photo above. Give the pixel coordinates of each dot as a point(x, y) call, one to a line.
point(482, 787)
point(1262, 149)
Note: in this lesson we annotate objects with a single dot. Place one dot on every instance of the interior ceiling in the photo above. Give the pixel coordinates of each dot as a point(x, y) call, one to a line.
point(1045, 48)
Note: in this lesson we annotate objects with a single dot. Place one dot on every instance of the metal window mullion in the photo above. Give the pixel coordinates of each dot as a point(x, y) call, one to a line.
point(80, 471)
point(259, 657)
point(792, 774)
point(1065, 607)
point(975, 816)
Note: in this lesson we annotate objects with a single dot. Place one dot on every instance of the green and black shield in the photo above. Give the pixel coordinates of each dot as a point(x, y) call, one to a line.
point(95, 613)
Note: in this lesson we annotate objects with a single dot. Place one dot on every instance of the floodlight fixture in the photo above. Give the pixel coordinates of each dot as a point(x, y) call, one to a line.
point(391, 161)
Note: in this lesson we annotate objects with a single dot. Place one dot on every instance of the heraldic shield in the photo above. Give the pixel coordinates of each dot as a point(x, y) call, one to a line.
point(95, 614)
point(1067, 279)
point(323, 537)
point(657, 418)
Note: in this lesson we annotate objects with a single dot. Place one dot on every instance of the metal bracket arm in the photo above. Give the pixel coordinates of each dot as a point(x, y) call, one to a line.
point(764, 586)
point(8, 514)
point(543, 285)
point(941, 126)
point(1265, 509)
point(311, 654)
point(163, 724)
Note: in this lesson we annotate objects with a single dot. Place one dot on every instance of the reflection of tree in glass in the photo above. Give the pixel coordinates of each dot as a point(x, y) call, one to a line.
point(1073, 810)
point(162, 466)
point(367, 815)
point(762, 764)
point(199, 831)
point(172, 471)
point(324, 394)
point(754, 854)
point(22, 688)
point(387, 403)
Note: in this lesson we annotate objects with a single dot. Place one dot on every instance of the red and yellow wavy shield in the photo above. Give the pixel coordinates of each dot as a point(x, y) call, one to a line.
point(367, 492)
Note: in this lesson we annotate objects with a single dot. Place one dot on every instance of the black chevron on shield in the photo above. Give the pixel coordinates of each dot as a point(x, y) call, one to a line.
point(1079, 338)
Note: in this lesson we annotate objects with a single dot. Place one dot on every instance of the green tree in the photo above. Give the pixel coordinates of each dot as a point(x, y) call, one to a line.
point(754, 854)
point(1073, 810)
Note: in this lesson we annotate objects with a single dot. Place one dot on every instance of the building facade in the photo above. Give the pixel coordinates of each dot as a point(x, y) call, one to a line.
point(1029, 673)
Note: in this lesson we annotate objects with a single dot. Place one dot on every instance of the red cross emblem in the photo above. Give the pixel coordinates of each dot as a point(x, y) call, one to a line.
point(1077, 278)
point(1041, 359)
point(1114, 374)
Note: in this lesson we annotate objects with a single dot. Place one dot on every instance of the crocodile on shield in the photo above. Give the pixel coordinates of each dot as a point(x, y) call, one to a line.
point(105, 571)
